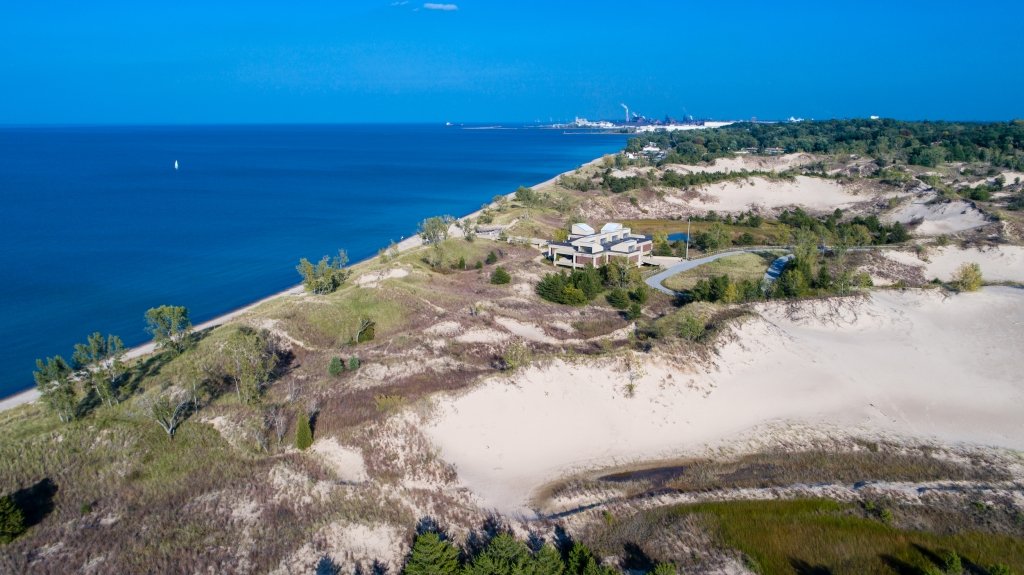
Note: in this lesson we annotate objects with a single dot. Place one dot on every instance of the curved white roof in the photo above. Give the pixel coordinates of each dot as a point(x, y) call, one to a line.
point(610, 227)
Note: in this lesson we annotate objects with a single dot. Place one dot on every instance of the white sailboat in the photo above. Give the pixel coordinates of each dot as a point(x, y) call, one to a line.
point(175, 164)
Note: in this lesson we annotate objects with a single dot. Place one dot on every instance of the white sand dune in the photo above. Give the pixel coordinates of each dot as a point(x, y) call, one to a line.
point(748, 162)
point(912, 363)
point(814, 194)
point(998, 264)
point(938, 218)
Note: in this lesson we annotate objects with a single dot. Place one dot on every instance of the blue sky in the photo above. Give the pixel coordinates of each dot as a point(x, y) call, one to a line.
point(500, 60)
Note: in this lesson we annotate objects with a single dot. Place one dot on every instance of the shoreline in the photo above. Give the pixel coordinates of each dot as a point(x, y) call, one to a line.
point(414, 241)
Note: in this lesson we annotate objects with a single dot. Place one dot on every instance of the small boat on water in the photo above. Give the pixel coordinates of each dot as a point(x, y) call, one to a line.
point(175, 164)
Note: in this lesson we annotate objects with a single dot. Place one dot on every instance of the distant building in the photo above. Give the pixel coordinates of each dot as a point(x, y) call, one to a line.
point(585, 247)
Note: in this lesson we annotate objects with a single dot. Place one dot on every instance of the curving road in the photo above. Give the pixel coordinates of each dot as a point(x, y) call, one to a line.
point(771, 275)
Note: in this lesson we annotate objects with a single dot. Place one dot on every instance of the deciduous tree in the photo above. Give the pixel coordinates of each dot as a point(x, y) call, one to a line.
point(56, 389)
point(170, 327)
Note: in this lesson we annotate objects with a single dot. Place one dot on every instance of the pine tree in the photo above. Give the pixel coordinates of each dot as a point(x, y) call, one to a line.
point(337, 366)
point(303, 433)
point(504, 555)
point(431, 555)
point(548, 561)
point(12, 520)
point(499, 276)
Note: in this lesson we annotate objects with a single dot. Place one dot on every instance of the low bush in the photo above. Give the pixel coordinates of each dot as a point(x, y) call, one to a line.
point(337, 367)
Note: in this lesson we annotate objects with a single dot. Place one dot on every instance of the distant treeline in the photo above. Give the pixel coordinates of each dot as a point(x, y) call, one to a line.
point(893, 141)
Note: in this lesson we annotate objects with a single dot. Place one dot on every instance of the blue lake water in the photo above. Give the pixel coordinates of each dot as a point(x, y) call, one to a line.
point(96, 225)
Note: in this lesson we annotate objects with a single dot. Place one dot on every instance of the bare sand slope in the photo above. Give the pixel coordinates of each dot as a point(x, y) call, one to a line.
point(750, 163)
point(814, 194)
point(998, 264)
point(934, 218)
point(916, 364)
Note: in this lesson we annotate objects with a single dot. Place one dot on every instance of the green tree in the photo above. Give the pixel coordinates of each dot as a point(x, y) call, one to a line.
point(499, 276)
point(170, 327)
point(548, 561)
point(968, 277)
point(53, 380)
point(326, 276)
point(432, 555)
point(251, 361)
point(100, 361)
point(435, 230)
point(504, 555)
point(528, 196)
point(303, 432)
point(353, 363)
point(491, 258)
point(12, 520)
point(664, 569)
point(634, 311)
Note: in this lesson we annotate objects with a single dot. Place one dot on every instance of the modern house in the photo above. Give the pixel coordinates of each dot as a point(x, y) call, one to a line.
point(585, 247)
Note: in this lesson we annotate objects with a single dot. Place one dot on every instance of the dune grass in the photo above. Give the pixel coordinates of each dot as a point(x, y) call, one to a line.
point(745, 266)
point(820, 536)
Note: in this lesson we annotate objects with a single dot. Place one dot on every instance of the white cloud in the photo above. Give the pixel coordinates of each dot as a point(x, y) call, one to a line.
point(402, 3)
point(443, 7)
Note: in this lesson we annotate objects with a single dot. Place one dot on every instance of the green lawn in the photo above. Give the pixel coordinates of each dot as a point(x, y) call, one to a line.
point(769, 233)
point(738, 267)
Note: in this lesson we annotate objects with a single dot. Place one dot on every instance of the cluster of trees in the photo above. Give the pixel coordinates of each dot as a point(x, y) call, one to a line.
point(245, 362)
point(858, 231)
point(97, 366)
point(583, 285)
point(723, 289)
point(325, 276)
point(433, 554)
point(676, 180)
point(625, 184)
point(917, 143)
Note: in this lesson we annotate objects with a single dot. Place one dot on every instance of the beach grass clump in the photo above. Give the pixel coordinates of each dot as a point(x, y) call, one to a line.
point(802, 536)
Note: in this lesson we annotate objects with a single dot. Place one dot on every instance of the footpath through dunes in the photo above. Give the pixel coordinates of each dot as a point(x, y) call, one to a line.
point(914, 364)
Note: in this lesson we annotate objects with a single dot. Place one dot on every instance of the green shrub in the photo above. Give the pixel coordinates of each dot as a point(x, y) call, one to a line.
point(462, 262)
point(967, 277)
point(999, 569)
point(499, 276)
point(479, 265)
point(491, 258)
point(303, 432)
point(640, 294)
point(618, 299)
point(337, 367)
point(691, 328)
point(634, 311)
point(353, 363)
point(951, 563)
point(664, 569)
point(12, 520)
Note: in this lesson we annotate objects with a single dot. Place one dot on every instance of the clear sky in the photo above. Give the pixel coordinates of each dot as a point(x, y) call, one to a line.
point(187, 61)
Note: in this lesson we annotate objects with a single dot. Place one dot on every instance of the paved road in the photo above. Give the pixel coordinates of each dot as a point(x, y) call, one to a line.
point(655, 281)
